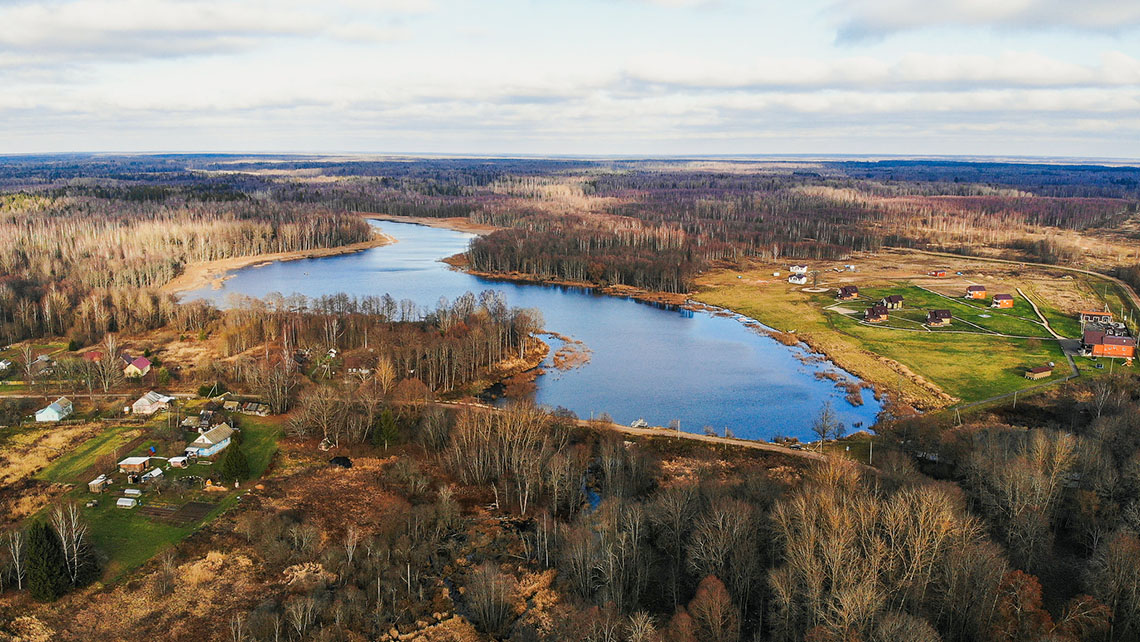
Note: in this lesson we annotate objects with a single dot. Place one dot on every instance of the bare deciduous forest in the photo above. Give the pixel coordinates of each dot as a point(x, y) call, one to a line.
point(457, 521)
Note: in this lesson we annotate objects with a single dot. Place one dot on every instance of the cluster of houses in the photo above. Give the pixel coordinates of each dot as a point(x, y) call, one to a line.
point(799, 275)
point(247, 407)
point(880, 311)
point(978, 292)
point(1103, 337)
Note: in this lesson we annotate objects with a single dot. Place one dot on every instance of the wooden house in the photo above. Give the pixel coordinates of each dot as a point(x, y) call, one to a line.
point(1002, 301)
point(98, 484)
point(892, 302)
point(1040, 372)
point(938, 318)
point(135, 367)
point(151, 403)
point(848, 292)
point(57, 410)
point(975, 292)
point(875, 314)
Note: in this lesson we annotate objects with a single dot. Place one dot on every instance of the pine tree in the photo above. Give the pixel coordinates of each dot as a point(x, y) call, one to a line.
point(235, 465)
point(47, 567)
point(387, 430)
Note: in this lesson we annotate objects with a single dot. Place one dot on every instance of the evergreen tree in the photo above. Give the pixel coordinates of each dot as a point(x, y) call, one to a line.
point(387, 431)
point(235, 465)
point(47, 567)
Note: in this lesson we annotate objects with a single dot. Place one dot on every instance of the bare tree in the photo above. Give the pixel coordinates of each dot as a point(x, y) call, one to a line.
point(17, 554)
point(72, 531)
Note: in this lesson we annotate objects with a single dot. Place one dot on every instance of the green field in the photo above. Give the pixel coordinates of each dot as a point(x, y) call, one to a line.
point(70, 468)
point(1019, 320)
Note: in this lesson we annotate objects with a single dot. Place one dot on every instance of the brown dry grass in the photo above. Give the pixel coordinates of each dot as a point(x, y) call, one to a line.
point(26, 453)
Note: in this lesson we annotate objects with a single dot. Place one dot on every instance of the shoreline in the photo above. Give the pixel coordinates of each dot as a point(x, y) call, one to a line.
point(196, 276)
point(453, 223)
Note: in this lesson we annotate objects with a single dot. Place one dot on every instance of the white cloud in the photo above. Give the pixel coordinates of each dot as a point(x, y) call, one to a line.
point(859, 19)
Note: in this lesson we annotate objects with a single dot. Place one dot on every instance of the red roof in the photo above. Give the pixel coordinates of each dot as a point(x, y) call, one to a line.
point(1039, 369)
point(142, 363)
point(93, 355)
point(1002, 297)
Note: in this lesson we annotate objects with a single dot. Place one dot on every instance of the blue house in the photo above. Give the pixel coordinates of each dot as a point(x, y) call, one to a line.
point(56, 411)
point(211, 442)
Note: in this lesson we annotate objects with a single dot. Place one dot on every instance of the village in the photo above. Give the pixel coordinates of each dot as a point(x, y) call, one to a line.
point(939, 332)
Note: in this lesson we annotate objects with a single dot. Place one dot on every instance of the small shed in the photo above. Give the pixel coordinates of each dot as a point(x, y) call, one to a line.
point(1040, 372)
point(152, 474)
point(937, 272)
point(1002, 301)
point(126, 502)
point(98, 484)
point(133, 464)
point(179, 462)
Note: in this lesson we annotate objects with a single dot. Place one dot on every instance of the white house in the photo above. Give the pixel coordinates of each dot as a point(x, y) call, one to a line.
point(799, 269)
point(797, 279)
point(151, 403)
point(59, 409)
point(212, 441)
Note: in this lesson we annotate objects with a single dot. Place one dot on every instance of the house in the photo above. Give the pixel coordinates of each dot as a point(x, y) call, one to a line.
point(938, 273)
point(98, 484)
point(1108, 341)
point(179, 462)
point(133, 464)
point(892, 302)
point(797, 279)
point(56, 411)
point(938, 318)
point(212, 441)
point(134, 367)
point(1091, 316)
point(152, 474)
point(1040, 372)
point(126, 502)
point(151, 403)
point(799, 269)
point(848, 292)
point(875, 314)
point(1002, 301)
point(975, 292)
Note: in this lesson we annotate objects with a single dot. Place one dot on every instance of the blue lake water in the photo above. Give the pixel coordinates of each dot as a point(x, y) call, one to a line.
point(646, 361)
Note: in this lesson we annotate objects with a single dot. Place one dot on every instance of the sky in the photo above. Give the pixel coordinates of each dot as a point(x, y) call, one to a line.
point(1053, 78)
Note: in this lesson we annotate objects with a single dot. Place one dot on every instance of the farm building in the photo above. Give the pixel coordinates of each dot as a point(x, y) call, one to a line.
point(797, 279)
point(212, 441)
point(938, 318)
point(848, 292)
point(179, 462)
point(98, 484)
point(1090, 316)
point(1040, 372)
point(875, 314)
point(152, 475)
point(975, 292)
point(892, 302)
point(1108, 341)
point(134, 367)
point(1002, 301)
point(56, 411)
point(938, 273)
point(133, 464)
point(126, 502)
point(151, 403)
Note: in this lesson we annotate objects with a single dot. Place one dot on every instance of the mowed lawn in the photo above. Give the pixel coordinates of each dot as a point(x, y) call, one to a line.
point(70, 468)
point(1017, 321)
point(968, 366)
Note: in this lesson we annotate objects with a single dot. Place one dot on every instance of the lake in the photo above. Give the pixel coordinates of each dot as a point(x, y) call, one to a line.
point(647, 361)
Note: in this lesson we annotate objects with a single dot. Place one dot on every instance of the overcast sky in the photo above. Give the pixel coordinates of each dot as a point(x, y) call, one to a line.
point(628, 77)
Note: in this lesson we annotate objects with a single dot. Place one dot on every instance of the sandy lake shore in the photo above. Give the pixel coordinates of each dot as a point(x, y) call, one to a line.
point(214, 273)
